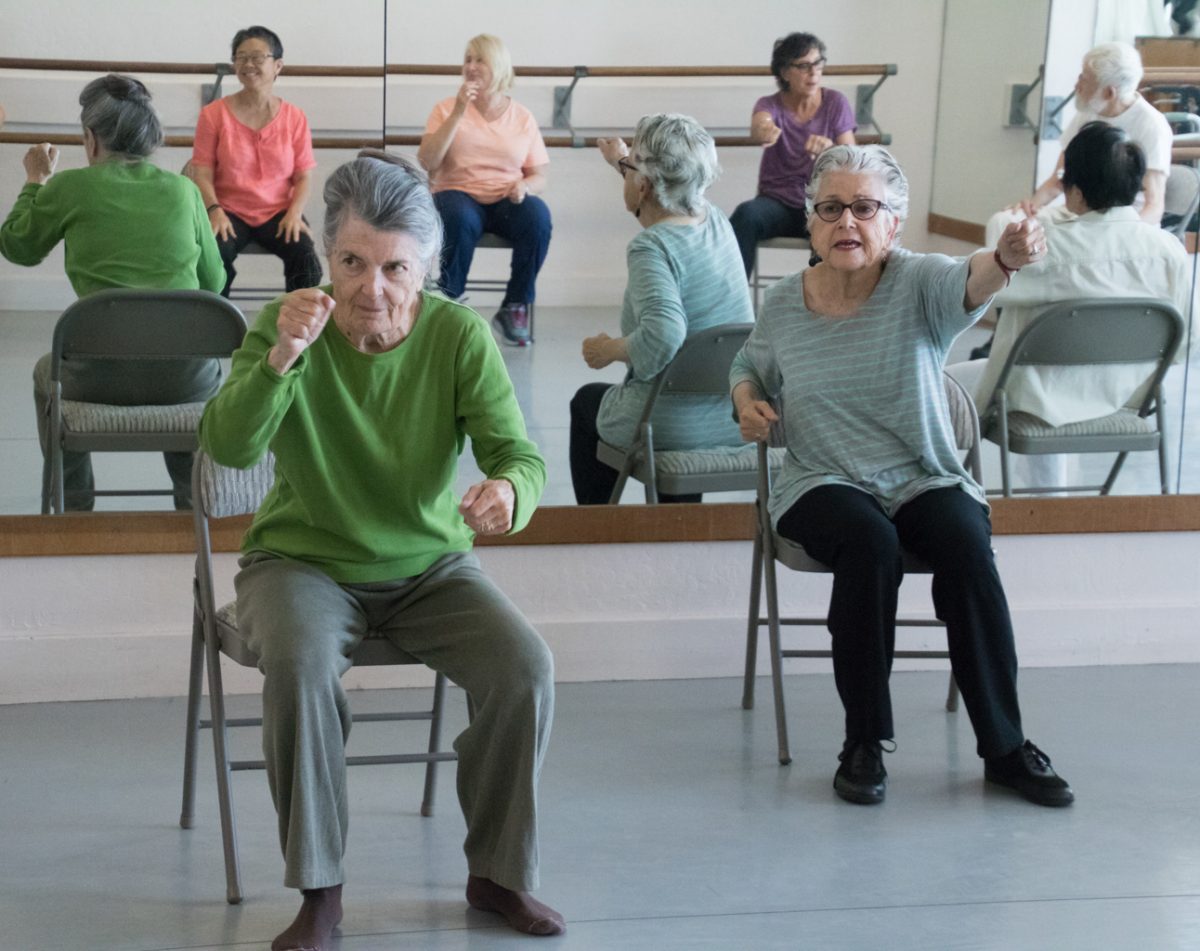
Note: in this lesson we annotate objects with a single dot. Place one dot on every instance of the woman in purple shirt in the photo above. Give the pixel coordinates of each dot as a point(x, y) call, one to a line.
point(793, 126)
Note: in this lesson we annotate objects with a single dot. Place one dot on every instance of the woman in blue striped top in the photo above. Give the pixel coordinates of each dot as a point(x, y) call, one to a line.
point(855, 347)
point(685, 275)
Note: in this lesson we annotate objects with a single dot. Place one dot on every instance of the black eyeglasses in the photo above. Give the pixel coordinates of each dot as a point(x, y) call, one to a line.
point(864, 209)
point(255, 59)
point(808, 66)
point(624, 166)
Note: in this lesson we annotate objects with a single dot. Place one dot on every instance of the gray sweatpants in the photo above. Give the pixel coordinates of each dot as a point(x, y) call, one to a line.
point(303, 626)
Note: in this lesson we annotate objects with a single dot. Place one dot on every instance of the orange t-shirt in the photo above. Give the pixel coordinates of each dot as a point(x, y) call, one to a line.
point(486, 158)
point(253, 169)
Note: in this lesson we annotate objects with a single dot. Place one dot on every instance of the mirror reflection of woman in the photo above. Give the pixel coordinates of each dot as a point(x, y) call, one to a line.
point(126, 223)
point(487, 165)
point(794, 126)
point(253, 161)
point(683, 277)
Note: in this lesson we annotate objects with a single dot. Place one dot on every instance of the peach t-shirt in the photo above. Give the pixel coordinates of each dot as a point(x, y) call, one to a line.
point(253, 169)
point(486, 158)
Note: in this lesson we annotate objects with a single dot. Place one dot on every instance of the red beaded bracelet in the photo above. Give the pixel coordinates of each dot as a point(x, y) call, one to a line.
point(1008, 271)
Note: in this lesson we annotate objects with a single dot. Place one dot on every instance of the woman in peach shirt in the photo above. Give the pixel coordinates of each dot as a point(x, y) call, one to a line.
point(487, 163)
point(252, 160)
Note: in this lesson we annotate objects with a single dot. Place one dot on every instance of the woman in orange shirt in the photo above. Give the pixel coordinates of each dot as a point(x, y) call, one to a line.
point(252, 160)
point(487, 163)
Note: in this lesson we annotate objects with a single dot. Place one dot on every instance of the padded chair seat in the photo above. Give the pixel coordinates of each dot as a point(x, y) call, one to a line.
point(105, 418)
point(1124, 422)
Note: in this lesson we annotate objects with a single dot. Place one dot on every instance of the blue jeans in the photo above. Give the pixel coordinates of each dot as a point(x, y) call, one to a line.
point(762, 218)
point(526, 226)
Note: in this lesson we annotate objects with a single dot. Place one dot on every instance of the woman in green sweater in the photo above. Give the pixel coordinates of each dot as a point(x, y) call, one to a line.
point(126, 223)
point(366, 390)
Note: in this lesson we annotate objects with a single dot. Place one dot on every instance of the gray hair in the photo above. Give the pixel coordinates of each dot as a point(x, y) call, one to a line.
point(862, 160)
point(118, 112)
point(1115, 64)
point(679, 159)
point(389, 193)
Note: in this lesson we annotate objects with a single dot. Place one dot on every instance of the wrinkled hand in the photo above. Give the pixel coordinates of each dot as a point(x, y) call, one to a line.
point(467, 94)
point(517, 193)
point(220, 223)
point(817, 144)
point(613, 149)
point(754, 420)
point(291, 226)
point(1022, 242)
point(594, 354)
point(1027, 207)
point(764, 130)
point(487, 507)
point(40, 161)
point(302, 316)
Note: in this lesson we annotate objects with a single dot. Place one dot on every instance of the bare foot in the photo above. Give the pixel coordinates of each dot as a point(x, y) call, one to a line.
point(520, 909)
point(319, 915)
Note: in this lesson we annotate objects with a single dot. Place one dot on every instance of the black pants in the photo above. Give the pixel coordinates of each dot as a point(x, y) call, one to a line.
point(301, 266)
point(592, 479)
point(849, 531)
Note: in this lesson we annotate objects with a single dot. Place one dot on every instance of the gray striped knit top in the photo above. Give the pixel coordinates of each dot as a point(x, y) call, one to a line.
point(682, 278)
point(863, 396)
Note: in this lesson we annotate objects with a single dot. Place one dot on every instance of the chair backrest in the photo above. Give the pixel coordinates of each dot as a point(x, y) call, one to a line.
point(1182, 198)
point(701, 366)
point(1098, 332)
point(146, 324)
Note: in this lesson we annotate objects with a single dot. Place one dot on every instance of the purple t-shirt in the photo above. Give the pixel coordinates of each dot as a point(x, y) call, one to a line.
point(783, 174)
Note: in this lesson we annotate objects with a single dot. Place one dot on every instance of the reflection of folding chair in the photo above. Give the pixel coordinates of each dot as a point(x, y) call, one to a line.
point(759, 281)
point(770, 546)
point(124, 325)
point(1182, 199)
point(700, 368)
point(1098, 334)
point(219, 492)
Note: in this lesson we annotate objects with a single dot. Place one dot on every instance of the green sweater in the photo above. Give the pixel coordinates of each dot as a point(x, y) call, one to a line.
point(126, 224)
point(366, 445)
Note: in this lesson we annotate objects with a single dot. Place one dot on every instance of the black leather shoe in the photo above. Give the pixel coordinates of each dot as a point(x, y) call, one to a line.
point(861, 778)
point(1027, 770)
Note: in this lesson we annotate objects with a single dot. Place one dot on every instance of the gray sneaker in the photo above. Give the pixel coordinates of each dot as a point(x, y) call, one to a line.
point(512, 320)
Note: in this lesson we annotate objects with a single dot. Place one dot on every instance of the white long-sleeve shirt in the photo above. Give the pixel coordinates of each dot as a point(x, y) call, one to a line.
point(1100, 254)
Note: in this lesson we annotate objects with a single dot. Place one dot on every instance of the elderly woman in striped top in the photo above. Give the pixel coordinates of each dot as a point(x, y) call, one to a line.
point(855, 347)
point(685, 275)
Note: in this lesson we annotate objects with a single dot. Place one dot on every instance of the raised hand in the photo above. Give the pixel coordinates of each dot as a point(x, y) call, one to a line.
point(302, 316)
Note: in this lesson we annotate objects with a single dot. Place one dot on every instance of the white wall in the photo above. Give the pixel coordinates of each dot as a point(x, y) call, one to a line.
point(85, 628)
point(586, 263)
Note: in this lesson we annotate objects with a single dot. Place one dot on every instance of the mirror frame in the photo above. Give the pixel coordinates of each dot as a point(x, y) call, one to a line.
point(161, 533)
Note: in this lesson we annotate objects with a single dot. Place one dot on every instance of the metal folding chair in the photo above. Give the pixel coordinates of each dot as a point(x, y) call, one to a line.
point(220, 492)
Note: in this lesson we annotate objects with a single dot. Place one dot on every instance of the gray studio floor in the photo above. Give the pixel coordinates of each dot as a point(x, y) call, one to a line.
point(545, 376)
point(667, 824)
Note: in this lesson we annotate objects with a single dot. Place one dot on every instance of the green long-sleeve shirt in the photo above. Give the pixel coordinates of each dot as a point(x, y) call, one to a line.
point(126, 224)
point(366, 445)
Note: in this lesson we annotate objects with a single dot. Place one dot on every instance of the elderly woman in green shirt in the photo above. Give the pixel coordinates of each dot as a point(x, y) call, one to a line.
point(366, 390)
point(126, 223)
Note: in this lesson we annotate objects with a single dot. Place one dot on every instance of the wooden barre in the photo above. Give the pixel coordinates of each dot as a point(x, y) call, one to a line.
point(374, 141)
point(405, 69)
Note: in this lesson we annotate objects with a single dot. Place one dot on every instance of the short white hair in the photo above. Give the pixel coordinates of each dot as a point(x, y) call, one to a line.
point(862, 160)
point(1115, 64)
point(678, 157)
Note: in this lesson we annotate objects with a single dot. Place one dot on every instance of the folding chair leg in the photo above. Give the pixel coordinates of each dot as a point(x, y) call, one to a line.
point(952, 695)
point(216, 698)
point(195, 674)
point(435, 739)
point(752, 625)
point(785, 756)
point(1113, 473)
